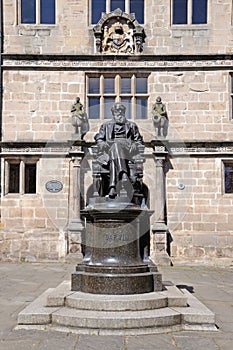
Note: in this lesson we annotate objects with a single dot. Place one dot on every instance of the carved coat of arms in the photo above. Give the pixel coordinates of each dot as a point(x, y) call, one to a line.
point(118, 32)
point(118, 38)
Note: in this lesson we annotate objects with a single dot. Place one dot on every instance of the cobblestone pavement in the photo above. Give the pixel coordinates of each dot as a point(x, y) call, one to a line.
point(21, 283)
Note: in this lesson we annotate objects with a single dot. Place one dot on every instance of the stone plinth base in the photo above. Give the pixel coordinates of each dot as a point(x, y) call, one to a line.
point(170, 310)
point(116, 280)
point(114, 264)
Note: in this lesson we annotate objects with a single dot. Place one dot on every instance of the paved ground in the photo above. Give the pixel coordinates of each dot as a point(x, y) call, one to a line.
point(22, 283)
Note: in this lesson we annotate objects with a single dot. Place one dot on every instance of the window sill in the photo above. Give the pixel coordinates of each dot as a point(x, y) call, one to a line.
point(36, 26)
point(227, 195)
point(190, 26)
point(17, 195)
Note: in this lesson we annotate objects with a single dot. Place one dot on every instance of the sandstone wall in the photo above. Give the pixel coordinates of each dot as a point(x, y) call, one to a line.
point(39, 102)
point(199, 216)
point(73, 32)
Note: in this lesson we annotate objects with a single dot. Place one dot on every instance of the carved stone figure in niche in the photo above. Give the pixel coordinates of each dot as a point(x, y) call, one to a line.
point(79, 118)
point(119, 152)
point(160, 118)
point(118, 32)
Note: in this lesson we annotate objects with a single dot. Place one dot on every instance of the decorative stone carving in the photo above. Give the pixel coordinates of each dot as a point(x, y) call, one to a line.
point(118, 32)
point(79, 119)
point(160, 118)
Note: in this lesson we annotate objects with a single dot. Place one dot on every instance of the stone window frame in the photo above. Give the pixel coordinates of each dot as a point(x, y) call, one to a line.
point(117, 95)
point(108, 10)
point(37, 23)
point(189, 16)
point(21, 161)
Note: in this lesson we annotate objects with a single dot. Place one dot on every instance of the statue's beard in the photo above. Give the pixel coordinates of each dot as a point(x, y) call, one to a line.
point(121, 120)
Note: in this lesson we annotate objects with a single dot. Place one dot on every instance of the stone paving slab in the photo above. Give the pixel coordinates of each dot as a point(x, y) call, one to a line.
point(149, 342)
point(101, 342)
point(24, 282)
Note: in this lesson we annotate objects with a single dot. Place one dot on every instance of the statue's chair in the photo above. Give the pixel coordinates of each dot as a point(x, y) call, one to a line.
point(101, 174)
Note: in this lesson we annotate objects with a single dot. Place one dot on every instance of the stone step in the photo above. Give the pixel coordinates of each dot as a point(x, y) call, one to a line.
point(115, 319)
point(62, 296)
point(147, 301)
point(50, 312)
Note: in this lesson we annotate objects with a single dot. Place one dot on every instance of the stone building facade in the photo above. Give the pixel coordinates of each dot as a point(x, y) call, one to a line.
point(175, 50)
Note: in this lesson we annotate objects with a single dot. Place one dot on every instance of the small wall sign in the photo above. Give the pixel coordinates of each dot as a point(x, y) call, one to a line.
point(53, 186)
point(181, 186)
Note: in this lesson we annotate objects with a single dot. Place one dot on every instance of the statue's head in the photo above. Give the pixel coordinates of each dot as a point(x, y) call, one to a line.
point(158, 99)
point(118, 112)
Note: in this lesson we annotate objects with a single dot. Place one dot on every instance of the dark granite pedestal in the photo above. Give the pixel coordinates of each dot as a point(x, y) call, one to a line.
point(113, 264)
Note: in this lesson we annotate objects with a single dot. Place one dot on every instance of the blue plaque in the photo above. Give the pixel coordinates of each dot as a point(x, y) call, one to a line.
point(53, 186)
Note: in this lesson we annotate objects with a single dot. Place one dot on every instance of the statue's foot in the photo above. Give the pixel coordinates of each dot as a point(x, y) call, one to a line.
point(112, 193)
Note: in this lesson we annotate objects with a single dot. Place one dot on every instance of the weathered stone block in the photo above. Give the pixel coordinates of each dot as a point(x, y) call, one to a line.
point(194, 252)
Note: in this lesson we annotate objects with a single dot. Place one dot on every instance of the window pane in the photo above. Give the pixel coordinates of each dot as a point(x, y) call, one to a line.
point(127, 103)
point(126, 85)
point(180, 11)
point(137, 7)
point(30, 178)
point(141, 108)
point(94, 108)
point(98, 6)
point(108, 103)
point(28, 11)
point(199, 11)
point(118, 4)
point(47, 11)
point(141, 86)
point(13, 178)
point(109, 87)
point(94, 85)
point(228, 178)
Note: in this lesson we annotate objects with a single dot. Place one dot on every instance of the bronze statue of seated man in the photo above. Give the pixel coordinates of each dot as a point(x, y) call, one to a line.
point(118, 143)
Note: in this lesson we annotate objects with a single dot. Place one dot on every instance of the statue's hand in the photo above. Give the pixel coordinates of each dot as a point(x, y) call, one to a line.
point(103, 146)
point(133, 147)
point(157, 118)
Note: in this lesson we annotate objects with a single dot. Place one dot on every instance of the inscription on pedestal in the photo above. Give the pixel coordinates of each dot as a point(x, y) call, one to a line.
point(114, 234)
point(117, 237)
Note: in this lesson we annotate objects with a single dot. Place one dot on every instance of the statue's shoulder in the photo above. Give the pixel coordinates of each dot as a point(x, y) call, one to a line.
point(131, 124)
point(106, 124)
